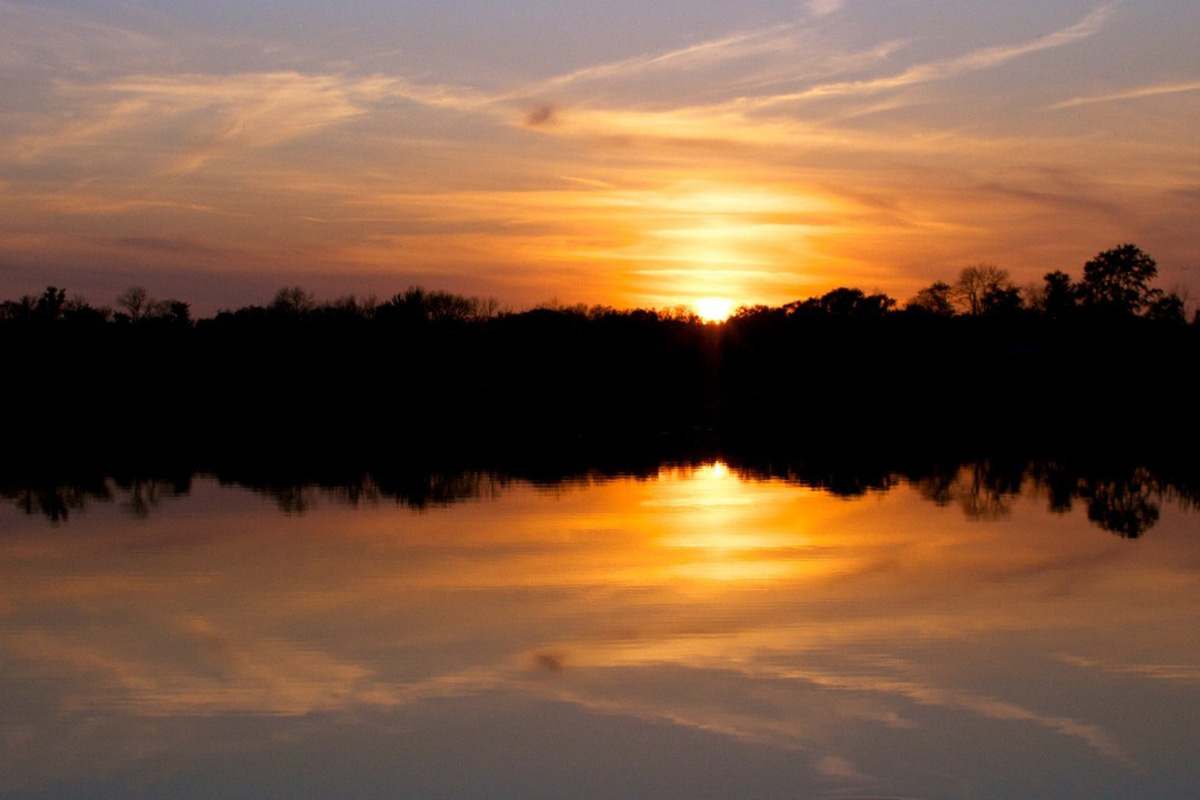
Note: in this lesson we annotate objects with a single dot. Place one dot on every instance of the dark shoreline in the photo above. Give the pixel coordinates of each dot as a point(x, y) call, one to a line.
point(338, 385)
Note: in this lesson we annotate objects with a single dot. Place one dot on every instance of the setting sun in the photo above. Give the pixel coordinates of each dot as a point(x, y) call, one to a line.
point(713, 309)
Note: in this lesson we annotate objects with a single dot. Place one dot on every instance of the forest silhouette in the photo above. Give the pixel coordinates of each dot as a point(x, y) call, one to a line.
point(1099, 362)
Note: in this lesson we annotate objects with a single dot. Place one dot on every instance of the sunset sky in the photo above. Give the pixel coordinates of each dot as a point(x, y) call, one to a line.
point(603, 151)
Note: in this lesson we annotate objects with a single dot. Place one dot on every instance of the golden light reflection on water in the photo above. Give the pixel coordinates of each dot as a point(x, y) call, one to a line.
point(716, 532)
point(776, 614)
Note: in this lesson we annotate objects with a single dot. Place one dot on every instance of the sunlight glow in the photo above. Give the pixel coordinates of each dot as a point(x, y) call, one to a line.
point(713, 309)
point(715, 534)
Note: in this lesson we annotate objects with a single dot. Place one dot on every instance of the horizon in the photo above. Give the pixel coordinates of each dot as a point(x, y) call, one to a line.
point(961, 294)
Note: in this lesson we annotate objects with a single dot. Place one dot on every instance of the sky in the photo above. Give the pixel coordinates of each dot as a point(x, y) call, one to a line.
point(625, 153)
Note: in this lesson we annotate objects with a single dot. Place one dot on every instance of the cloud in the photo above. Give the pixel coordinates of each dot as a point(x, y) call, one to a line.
point(744, 61)
point(678, 119)
point(208, 116)
point(1130, 94)
point(1172, 672)
point(723, 49)
point(984, 58)
point(48, 38)
point(540, 116)
point(821, 8)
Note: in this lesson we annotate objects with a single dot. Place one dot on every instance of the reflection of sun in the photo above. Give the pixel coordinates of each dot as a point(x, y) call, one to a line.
point(713, 309)
point(718, 533)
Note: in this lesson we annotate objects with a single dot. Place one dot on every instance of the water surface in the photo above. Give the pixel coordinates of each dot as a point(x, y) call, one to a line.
point(693, 632)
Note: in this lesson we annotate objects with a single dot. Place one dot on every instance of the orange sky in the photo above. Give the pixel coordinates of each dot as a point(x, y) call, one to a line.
point(611, 154)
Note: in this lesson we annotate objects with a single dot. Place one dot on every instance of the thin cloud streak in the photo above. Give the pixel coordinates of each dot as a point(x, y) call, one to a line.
point(225, 113)
point(1132, 94)
point(29, 32)
point(726, 48)
point(985, 58)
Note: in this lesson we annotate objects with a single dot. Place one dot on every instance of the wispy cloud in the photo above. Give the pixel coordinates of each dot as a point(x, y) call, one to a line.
point(976, 60)
point(741, 119)
point(788, 53)
point(43, 36)
point(821, 8)
point(1173, 672)
point(1131, 94)
point(737, 45)
point(211, 115)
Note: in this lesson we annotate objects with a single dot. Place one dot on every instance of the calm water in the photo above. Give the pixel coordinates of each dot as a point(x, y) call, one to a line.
point(693, 633)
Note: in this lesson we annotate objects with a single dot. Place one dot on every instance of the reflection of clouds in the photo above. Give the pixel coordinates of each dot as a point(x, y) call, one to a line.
point(601, 596)
point(1094, 735)
point(1180, 673)
point(790, 723)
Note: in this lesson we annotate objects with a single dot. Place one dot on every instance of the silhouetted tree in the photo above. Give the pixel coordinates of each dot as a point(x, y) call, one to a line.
point(135, 301)
point(1117, 281)
point(975, 285)
point(1000, 300)
point(1167, 309)
point(50, 305)
point(174, 311)
point(1059, 295)
point(351, 306)
point(845, 302)
point(933, 299)
point(417, 304)
point(293, 300)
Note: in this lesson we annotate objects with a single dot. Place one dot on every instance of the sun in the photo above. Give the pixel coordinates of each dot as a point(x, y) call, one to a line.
point(713, 309)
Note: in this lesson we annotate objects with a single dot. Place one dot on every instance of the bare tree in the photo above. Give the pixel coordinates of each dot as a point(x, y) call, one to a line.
point(979, 283)
point(136, 302)
point(294, 300)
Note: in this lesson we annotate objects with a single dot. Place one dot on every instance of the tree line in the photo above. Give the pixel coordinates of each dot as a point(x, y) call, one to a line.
point(1089, 360)
point(1116, 283)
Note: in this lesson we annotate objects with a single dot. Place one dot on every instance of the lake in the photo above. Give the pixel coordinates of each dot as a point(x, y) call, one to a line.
point(698, 630)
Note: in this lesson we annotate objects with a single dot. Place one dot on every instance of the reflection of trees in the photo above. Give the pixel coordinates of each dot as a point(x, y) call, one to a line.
point(992, 486)
point(1060, 485)
point(440, 489)
point(142, 494)
point(1186, 496)
point(983, 489)
point(55, 500)
point(841, 476)
point(412, 487)
point(1126, 505)
point(1124, 499)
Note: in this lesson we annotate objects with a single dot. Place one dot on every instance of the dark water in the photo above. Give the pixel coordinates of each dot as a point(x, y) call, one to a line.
point(690, 632)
